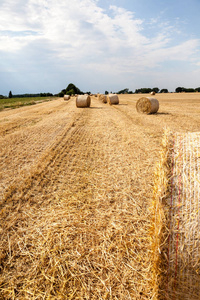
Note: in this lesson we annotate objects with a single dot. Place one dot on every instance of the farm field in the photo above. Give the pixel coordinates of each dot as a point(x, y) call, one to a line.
point(12, 103)
point(75, 188)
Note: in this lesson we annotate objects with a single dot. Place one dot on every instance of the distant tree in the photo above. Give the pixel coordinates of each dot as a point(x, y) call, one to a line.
point(164, 91)
point(71, 92)
point(190, 90)
point(143, 91)
point(106, 93)
point(124, 91)
point(10, 95)
point(146, 90)
point(197, 89)
point(180, 89)
point(61, 94)
point(45, 94)
point(155, 89)
point(71, 86)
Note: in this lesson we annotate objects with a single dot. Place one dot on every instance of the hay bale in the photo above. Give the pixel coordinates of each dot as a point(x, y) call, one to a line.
point(66, 97)
point(152, 93)
point(83, 101)
point(176, 219)
point(102, 98)
point(112, 99)
point(147, 105)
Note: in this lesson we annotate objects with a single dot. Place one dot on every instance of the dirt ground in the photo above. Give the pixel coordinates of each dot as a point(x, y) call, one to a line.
point(75, 188)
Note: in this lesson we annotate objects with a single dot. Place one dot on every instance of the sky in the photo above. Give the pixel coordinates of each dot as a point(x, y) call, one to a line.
point(98, 45)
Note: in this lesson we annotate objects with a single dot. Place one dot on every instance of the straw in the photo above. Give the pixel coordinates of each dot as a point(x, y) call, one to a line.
point(175, 220)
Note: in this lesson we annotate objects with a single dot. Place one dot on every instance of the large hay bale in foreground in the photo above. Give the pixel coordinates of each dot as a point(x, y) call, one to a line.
point(112, 99)
point(176, 219)
point(147, 105)
point(83, 101)
point(66, 97)
point(102, 98)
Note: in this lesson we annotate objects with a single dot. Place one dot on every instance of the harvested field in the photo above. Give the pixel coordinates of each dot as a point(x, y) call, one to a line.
point(75, 188)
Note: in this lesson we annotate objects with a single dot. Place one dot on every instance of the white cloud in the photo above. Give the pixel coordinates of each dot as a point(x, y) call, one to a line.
point(76, 24)
point(81, 35)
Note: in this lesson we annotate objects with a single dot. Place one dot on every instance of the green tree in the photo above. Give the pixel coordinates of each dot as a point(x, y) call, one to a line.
point(164, 91)
point(146, 90)
point(155, 89)
point(190, 90)
point(124, 91)
point(180, 89)
point(10, 95)
point(71, 86)
point(143, 91)
point(106, 93)
point(70, 92)
point(61, 94)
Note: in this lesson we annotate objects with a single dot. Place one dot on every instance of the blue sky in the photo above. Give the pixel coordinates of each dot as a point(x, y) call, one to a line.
point(98, 45)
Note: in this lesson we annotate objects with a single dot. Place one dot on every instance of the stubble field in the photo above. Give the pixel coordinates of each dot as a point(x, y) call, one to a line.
point(75, 188)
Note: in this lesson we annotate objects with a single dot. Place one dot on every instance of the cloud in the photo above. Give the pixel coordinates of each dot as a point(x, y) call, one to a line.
point(82, 36)
point(79, 25)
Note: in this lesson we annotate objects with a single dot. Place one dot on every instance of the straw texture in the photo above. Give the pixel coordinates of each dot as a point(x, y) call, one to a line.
point(102, 98)
point(66, 97)
point(112, 99)
point(147, 105)
point(176, 219)
point(83, 101)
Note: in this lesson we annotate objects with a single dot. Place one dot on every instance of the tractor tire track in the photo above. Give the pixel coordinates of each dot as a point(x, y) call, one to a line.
point(23, 148)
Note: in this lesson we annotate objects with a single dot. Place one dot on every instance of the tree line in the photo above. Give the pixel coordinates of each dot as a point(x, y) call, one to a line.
point(157, 90)
point(10, 95)
point(71, 89)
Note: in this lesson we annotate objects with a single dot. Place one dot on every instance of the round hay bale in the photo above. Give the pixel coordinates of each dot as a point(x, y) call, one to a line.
point(83, 101)
point(176, 218)
point(152, 93)
point(102, 98)
point(112, 99)
point(147, 105)
point(66, 97)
